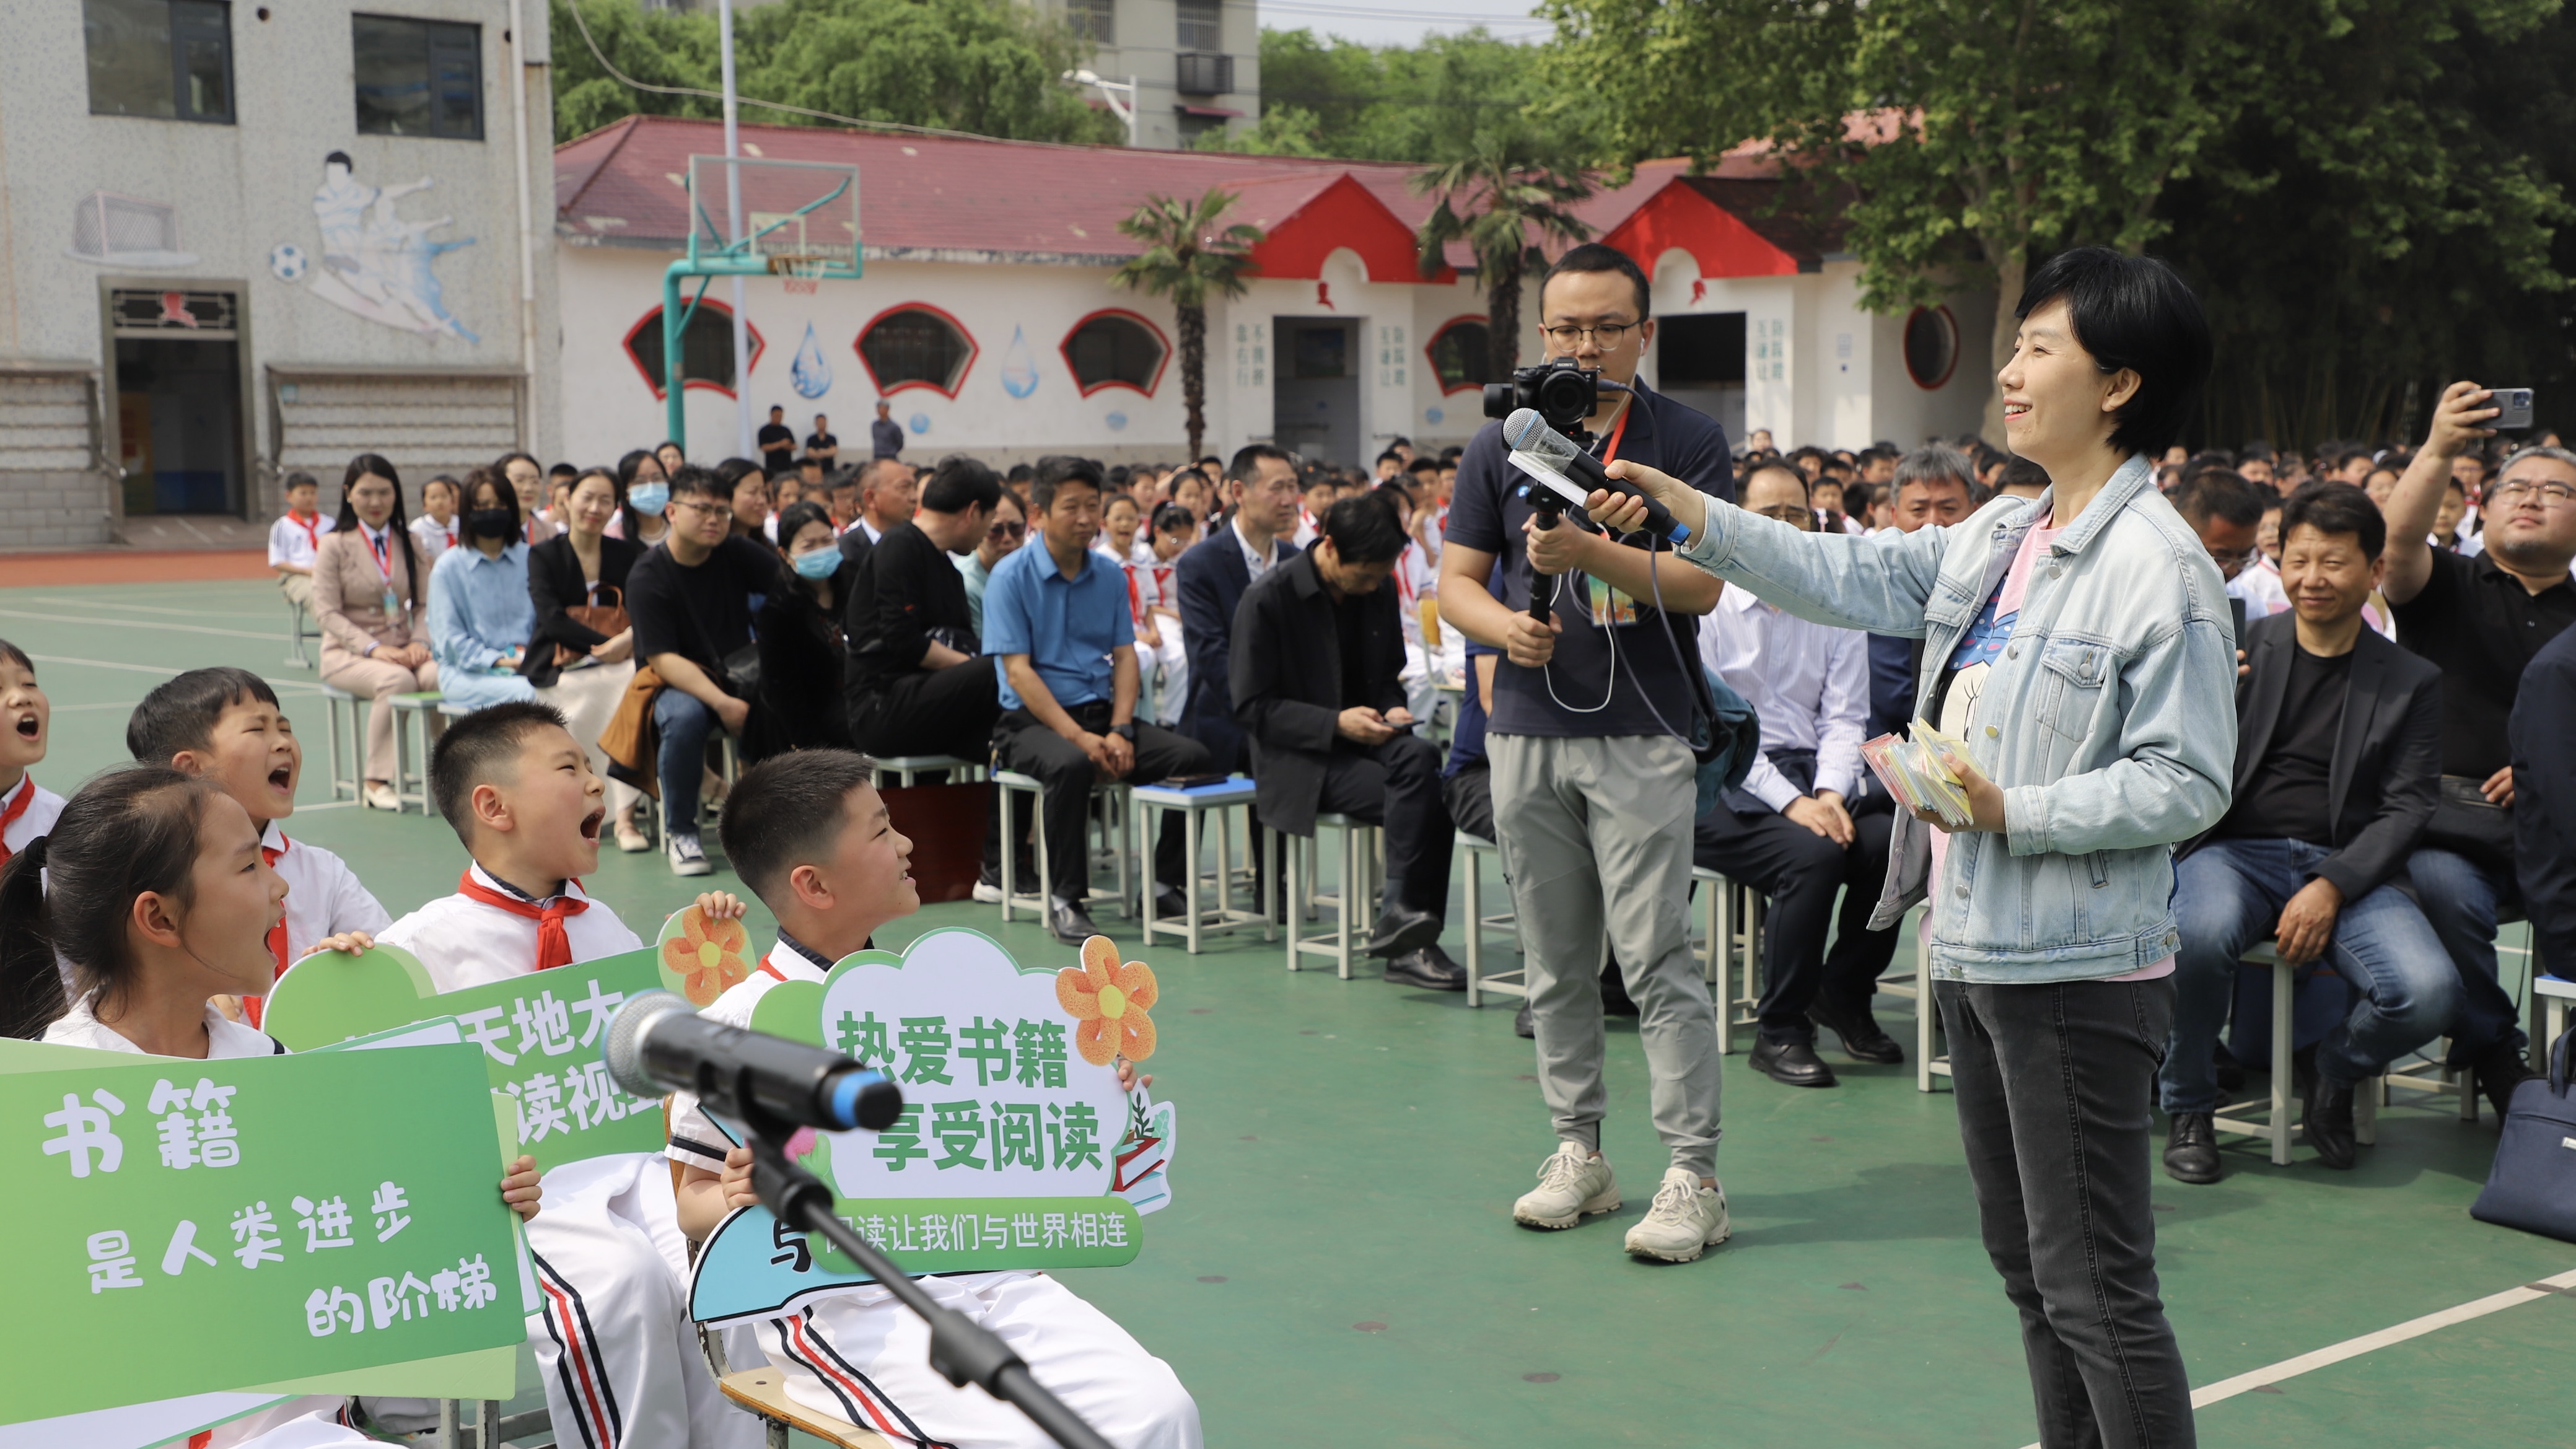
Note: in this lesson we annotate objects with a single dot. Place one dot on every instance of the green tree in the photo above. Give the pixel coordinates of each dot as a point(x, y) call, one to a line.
point(1506, 209)
point(1189, 257)
point(986, 67)
point(1432, 102)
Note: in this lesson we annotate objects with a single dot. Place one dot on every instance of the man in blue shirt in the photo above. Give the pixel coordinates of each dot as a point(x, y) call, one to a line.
point(1057, 623)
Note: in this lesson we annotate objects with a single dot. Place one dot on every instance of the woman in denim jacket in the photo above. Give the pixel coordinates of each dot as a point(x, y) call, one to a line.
point(2079, 643)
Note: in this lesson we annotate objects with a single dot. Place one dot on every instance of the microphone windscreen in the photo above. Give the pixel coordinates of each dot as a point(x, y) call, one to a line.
point(1523, 429)
point(623, 1050)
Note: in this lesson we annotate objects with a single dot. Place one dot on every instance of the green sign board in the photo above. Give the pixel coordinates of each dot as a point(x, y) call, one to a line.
point(540, 1036)
point(190, 1227)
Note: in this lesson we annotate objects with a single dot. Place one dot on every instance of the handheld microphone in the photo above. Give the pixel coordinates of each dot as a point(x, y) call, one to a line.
point(1527, 432)
point(658, 1043)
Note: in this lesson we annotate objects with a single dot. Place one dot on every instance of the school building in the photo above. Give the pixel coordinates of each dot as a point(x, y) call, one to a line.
point(986, 318)
point(238, 240)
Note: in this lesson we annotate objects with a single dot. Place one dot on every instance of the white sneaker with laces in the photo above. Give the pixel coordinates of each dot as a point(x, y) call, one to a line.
point(1573, 1184)
point(687, 858)
point(1684, 1221)
point(988, 893)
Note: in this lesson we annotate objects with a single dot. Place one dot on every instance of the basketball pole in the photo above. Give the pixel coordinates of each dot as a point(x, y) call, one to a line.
point(733, 236)
point(737, 259)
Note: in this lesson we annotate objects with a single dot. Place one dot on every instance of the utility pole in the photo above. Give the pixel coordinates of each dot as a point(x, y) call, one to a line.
point(733, 237)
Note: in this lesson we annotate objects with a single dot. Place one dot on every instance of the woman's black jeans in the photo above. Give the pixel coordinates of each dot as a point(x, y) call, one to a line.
point(2054, 1085)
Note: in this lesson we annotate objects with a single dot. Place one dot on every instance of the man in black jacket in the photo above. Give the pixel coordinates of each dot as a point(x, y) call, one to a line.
point(917, 681)
point(1261, 490)
point(2338, 749)
point(2544, 802)
point(1318, 655)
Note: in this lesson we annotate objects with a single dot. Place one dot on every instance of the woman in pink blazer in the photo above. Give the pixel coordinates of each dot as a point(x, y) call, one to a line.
point(371, 596)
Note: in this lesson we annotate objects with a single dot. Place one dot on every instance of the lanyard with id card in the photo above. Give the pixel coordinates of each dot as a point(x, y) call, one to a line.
point(381, 547)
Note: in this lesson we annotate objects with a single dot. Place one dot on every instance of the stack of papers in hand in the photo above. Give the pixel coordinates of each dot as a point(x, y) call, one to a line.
point(1913, 772)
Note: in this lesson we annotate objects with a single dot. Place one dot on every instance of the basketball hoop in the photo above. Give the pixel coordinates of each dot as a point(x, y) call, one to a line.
point(802, 271)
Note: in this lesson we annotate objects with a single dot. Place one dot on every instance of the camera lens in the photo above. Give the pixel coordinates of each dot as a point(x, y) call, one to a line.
point(1567, 397)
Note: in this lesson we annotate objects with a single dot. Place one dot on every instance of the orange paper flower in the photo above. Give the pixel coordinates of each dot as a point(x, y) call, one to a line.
point(706, 955)
point(1110, 1001)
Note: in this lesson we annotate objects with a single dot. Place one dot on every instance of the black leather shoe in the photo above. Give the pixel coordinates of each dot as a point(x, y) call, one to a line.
point(1069, 923)
point(1403, 929)
point(2500, 1069)
point(1429, 968)
point(1170, 904)
point(2191, 1152)
point(1522, 1026)
point(2329, 1120)
point(1860, 1035)
point(1791, 1063)
point(2230, 1071)
point(1615, 1000)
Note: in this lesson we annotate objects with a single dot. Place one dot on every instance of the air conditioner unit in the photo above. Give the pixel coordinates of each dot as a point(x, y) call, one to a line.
point(1202, 74)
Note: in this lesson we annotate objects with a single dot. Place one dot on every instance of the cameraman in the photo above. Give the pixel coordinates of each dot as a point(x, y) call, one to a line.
point(1588, 767)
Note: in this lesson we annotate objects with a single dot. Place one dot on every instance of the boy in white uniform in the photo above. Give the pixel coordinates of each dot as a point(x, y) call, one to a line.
point(27, 809)
point(614, 1344)
point(226, 725)
point(810, 835)
point(294, 539)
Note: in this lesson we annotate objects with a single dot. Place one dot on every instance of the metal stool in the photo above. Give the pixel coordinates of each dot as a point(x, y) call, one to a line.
point(1731, 957)
point(454, 1433)
point(411, 729)
point(336, 701)
point(1195, 804)
point(299, 627)
point(904, 767)
point(1514, 982)
point(1013, 782)
point(1361, 879)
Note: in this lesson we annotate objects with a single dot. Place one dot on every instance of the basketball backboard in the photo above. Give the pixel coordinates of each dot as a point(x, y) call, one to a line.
point(795, 218)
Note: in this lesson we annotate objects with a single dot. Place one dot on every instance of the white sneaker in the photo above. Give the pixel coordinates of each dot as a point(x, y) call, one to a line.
point(631, 839)
point(988, 892)
point(1684, 1221)
point(687, 858)
point(1572, 1184)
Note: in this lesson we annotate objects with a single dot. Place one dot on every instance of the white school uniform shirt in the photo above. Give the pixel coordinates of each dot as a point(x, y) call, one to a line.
point(225, 1037)
point(430, 538)
point(290, 543)
point(1808, 684)
point(323, 896)
point(2260, 587)
point(36, 819)
point(696, 1140)
point(464, 942)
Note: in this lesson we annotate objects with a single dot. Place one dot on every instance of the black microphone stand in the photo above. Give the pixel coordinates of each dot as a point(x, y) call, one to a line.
point(962, 1350)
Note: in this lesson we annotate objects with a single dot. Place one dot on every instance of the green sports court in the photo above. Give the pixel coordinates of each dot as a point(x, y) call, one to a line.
point(1339, 1265)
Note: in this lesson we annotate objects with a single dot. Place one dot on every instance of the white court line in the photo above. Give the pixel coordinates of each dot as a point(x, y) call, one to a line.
point(273, 636)
point(156, 669)
point(2290, 1368)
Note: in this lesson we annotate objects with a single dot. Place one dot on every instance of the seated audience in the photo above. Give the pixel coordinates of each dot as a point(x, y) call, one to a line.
point(479, 614)
point(643, 492)
point(27, 809)
point(373, 612)
point(2226, 511)
point(2337, 757)
point(692, 603)
point(2482, 620)
point(526, 477)
point(1931, 487)
point(1056, 620)
point(2544, 801)
point(1317, 682)
point(2450, 533)
point(581, 670)
point(799, 630)
point(917, 682)
point(1154, 597)
point(434, 531)
point(1008, 529)
point(1797, 830)
point(295, 539)
point(747, 489)
point(1261, 490)
point(1122, 534)
point(672, 458)
point(886, 497)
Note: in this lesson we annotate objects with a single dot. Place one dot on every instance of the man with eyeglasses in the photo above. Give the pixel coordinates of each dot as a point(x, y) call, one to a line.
point(2226, 511)
point(1591, 770)
point(1798, 829)
point(2482, 620)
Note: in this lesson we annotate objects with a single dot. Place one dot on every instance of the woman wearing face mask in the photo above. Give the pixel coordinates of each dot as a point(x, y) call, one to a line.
point(479, 613)
point(373, 614)
point(643, 492)
point(799, 629)
point(580, 669)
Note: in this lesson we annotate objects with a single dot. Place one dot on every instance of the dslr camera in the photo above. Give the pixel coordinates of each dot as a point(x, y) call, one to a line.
point(1562, 392)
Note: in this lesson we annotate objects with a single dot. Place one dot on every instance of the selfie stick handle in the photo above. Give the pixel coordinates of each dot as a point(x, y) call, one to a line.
point(1549, 508)
point(962, 1350)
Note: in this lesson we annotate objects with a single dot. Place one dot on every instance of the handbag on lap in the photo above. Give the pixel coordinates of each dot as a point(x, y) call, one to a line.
point(2532, 1185)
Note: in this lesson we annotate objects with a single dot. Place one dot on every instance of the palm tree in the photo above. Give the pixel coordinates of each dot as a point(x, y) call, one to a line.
point(1188, 259)
point(1505, 209)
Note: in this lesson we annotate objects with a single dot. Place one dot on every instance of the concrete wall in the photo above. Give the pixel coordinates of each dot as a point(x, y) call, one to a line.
point(241, 193)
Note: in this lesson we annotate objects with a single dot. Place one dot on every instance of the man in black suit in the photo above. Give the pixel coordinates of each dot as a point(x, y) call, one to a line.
point(1261, 492)
point(2544, 801)
point(2338, 754)
point(1317, 684)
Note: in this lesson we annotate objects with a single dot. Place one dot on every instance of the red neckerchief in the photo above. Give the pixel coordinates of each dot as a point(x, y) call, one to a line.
point(254, 1006)
point(17, 807)
point(311, 524)
point(554, 946)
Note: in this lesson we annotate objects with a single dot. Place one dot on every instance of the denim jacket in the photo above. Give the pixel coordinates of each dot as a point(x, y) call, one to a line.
point(2109, 720)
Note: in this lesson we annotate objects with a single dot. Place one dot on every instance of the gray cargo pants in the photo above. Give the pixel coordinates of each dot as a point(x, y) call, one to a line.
point(1595, 833)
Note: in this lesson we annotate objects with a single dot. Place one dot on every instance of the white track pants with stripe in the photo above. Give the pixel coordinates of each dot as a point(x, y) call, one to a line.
point(866, 1359)
point(613, 1342)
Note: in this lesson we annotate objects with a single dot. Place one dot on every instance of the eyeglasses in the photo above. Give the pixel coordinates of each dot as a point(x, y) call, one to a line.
point(706, 509)
point(1797, 513)
point(1007, 530)
point(1606, 335)
point(2230, 564)
point(2548, 492)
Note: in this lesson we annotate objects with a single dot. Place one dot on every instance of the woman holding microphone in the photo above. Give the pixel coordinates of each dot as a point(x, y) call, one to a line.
point(2079, 644)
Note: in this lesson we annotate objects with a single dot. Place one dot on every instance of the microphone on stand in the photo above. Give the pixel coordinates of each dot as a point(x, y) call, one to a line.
point(658, 1043)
